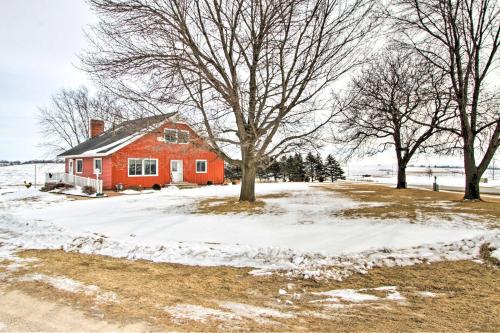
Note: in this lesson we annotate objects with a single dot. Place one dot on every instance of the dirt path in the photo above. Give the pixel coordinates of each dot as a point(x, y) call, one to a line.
point(20, 312)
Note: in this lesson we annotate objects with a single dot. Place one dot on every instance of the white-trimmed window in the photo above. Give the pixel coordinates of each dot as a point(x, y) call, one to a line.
point(170, 135)
point(150, 167)
point(79, 166)
point(98, 165)
point(201, 166)
point(142, 167)
point(183, 136)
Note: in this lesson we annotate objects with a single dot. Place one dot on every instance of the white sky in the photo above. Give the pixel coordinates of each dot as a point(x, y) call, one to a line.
point(39, 44)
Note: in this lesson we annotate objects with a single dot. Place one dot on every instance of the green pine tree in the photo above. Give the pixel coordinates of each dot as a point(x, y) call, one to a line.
point(274, 169)
point(338, 172)
point(297, 168)
point(331, 167)
point(310, 166)
point(284, 168)
point(319, 168)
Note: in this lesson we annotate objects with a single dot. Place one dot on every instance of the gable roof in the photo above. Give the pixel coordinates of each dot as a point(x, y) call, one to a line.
point(114, 139)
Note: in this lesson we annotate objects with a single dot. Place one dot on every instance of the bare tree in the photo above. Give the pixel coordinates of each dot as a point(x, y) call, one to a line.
point(396, 101)
point(64, 123)
point(461, 38)
point(251, 75)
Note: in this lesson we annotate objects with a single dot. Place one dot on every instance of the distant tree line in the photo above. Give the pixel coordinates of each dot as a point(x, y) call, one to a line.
point(7, 163)
point(294, 168)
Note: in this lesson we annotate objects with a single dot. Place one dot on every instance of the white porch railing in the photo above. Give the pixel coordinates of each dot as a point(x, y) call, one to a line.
point(66, 178)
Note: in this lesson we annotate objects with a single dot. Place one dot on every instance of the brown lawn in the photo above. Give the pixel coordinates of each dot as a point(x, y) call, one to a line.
point(467, 295)
point(414, 204)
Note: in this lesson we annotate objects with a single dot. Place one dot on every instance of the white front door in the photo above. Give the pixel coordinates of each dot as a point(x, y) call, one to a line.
point(70, 167)
point(176, 171)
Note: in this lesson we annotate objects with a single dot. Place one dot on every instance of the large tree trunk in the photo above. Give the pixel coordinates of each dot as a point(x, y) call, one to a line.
point(401, 176)
point(472, 176)
point(248, 173)
point(247, 192)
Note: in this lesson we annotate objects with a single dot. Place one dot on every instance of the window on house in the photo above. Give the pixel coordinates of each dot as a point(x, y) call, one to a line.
point(173, 166)
point(183, 136)
point(201, 166)
point(134, 167)
point(98, 165)
point(150, 167)
point(142, 167)
point(79, 166)
point(170, 135)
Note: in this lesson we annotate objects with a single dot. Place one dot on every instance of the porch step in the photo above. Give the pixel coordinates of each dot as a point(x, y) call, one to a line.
point(183, 185)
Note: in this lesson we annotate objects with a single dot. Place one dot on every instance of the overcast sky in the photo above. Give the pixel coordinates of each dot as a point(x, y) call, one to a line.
point(39, 42)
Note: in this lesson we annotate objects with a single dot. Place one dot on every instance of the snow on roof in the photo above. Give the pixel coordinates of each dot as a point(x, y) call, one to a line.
point(118, 137)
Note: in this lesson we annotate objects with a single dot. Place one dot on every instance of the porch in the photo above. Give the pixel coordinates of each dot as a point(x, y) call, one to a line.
point(66, 178)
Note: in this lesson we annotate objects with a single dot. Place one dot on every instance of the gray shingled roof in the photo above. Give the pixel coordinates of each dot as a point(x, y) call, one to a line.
point(116, 135)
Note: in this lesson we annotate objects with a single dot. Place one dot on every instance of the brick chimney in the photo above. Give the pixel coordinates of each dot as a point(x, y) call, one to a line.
point(96, 127)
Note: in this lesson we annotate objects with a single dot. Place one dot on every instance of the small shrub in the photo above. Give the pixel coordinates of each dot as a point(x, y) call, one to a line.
point(307, 179)
point(321, 179)
point(156, 187)
point(89, 190)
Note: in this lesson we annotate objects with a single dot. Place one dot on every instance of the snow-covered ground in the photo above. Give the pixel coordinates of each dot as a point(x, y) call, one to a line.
point(300, 234)
point(15, 175)
point(418, 176)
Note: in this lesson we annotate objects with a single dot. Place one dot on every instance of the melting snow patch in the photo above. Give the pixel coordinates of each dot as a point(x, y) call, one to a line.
point(72, 286)
point(426, 294)
point(496, 254)
point(350, 295)
point(198, 313)
point(356, 296)
point(256, 313)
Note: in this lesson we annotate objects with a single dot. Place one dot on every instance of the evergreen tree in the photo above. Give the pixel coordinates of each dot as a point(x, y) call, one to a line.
point(232, 171)
point(274, 169)
point(284, 171)
point(310, 166)
point(331, 167)
point(262, 172)
point(338, 172)
point(297, 168)
point(319, 169)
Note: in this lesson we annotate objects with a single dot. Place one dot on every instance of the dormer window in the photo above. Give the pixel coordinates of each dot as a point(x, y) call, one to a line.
point(170, 135)
point(183, 136)
point(176, 136)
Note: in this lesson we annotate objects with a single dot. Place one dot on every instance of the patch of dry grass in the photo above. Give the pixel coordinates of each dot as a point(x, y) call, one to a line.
point(413, 204)
point(485, 253)
point(468, 292)
point(231, 205)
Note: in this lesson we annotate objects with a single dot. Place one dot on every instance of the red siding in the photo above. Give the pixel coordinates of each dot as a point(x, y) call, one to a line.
point(149, 147)
point(115, 167)
point(88, 169)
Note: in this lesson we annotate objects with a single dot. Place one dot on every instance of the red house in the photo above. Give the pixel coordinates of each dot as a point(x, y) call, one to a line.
point(144, 152)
